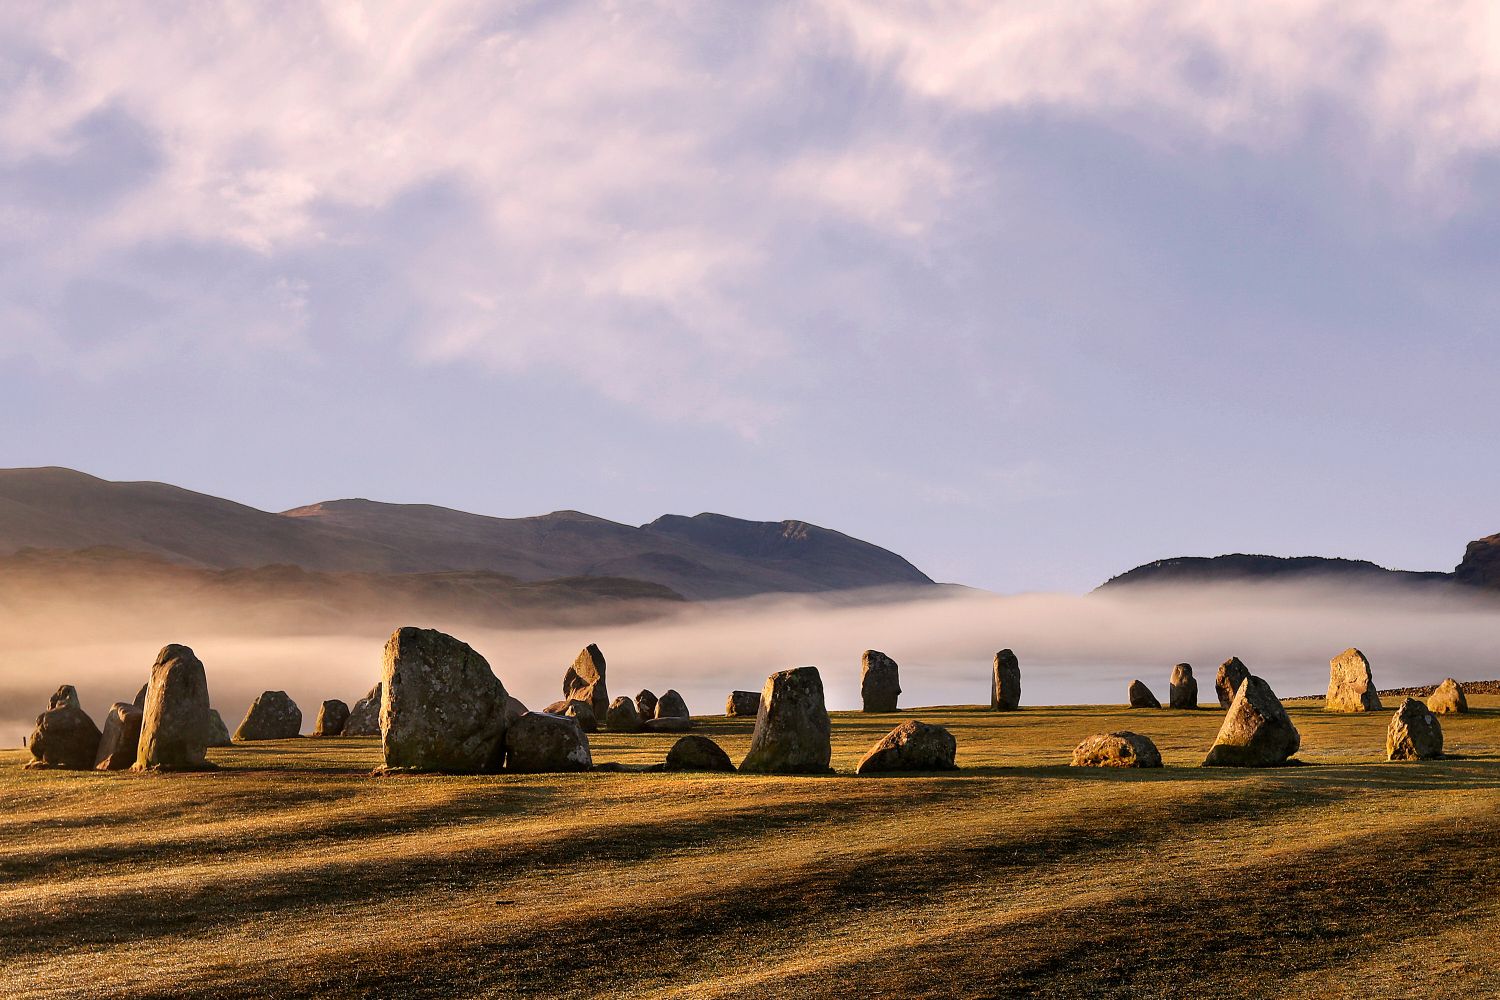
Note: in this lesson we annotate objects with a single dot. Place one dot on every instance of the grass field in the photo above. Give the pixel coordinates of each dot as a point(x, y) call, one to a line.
point(291, 872)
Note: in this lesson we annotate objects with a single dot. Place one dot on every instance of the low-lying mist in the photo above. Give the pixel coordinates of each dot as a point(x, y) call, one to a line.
point(1073, 649)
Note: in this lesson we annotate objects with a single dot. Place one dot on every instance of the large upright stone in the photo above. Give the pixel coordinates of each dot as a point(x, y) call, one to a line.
point(121, 741)
point(539, 743)
point(671, 706)
point(175, 729)
point(1005, 682)
point(364, 717)
point(879, 682)
point(443, 707)
point(1140, 695)
point(1414, 733)
point(1182, 692)
point(272, 716)
point(911, 746)
point(792, 734)
point(1256, 731)
point(65, 736)
point(332, 718)
point(645, 705)
point(1231, 675)
point(1122, 749)
point(622, 716)
point(1448, 699)
point(584, 681)
point(1351, 686)
point(742, 703)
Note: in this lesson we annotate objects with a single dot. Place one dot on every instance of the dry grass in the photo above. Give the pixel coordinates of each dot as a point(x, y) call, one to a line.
point(293, 873)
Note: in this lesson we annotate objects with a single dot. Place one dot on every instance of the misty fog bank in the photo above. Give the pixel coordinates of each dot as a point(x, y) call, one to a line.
point(1073, 649)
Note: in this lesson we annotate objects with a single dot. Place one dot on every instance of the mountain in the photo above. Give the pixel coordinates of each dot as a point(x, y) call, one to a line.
point(1240, 567)
point(707, 556)
point(1481, 563)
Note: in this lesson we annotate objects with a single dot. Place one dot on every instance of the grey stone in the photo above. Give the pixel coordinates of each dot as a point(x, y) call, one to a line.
point(1005, 682)
point(65, 696)
point(792, 734)
point(120, 743)
point(218, 733)
point(879, 682)
point(584, 680)
point(175, 729)
point(1448, 699)
point(622, 716)
point(1182, 692)
point(911, 746)
point(742, 703)
point(1122, 749)
point(697, 753)
point(668, 724)
point(140, 696)
point(1414, 733)
point(645, 705)
point(65, 737)
point(443, 707)
point(364, 717)
point(514, 709)
point(272, 716)
point(1232, 674)
point(1351, 686)
point(1256, 731)
point(1141, 697)
point(671, 706)
point(332, 718)
point(582, 711)
point(539, 743)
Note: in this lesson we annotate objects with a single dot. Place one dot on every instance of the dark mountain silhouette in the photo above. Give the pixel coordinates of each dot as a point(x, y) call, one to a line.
point(1240, 567)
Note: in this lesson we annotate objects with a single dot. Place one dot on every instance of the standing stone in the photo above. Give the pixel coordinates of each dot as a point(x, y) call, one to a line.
point(1005, 684)
point(140, 696)
point(1256, 731)
point(584, 680)
point(792, 734)
point(645, 705)
point(539, 743)
point(911, 746)
point(1414, 733)
point(622, 716)
point(174, 731)
point(879, 682)
point(671, 706)
point(1351, 686)
point(742, 703)
point(65, 736)
point(332, 718)
point(1448, 698)
point(121, 742)
point(697, 753)
point(443, 708)
point(583, 713)
point(1232, 674)
point(65, 696)
point(1141, 697)
point(1123, 749)
point(272, 716)
point(364, 717)
point(1183, 690)
point(218, 733)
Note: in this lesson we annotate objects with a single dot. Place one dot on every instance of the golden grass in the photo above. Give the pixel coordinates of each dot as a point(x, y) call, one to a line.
point(291, 872)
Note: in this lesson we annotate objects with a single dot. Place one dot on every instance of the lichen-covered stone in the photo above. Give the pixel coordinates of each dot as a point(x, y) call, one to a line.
point(443, 708)
point(541, 743)
point(1448, 699)
point(742, 703)
point(1414, 733)
point(1231, 675)
point(65, 736)
point(1351, 686)
point(671, 706)
point(645, 705)
point(1140, 695)
point(879, 682)
point(271, 716)
point(1256, 731)
point(792, 734)
point(697, 753)
point(1005, 682)
point(120, 743)
point(332, 718)
point(622, 716)
point(1122, 749)
point(1182, 692)
point(584, 681)
point(911, 746)
point(175, 728)
point(364, 717)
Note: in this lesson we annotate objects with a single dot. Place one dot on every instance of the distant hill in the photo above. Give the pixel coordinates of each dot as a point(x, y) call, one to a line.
point(1481, 563)
point(1240, 567)
point(707, 556)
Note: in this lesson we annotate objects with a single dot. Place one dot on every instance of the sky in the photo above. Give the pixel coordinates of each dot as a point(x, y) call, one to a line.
point(1030, 295)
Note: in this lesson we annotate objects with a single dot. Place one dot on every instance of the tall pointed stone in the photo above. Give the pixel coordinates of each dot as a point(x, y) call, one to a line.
point(584, 681)
point(1005, 682)
point(879, 682)
point(1232, 674)
point(792, 733)
point(1182, 692)
point(1351, 685)
point(1256, 731)
point(175, 726)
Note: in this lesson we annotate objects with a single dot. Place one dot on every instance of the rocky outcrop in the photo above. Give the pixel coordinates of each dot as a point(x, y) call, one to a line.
point(879, 682)
point(364, 717)
point(1005, 682)
point(584, 681)
point(1256, 731)
point(1231, 675)
point(1414, 733)
point(645, 705)
point(1140, 696)
point(541, 743)
point(218, 733)
point(175, 728)
point(1448, 699)
point(1183, 690)
point(742, 703)
point(622, 716)
point(272, 716)
point(671, 706)
point(697, 753)
point(1481, 563)
point(1351, 686)
point(443, 709)
point(911, 746)
point(792, 734)
point(120, 743)
point(65, 736)
point(1122, 749)
point(332, 718)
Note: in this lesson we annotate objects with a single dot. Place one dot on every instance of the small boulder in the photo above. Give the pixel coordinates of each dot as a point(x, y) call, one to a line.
point(671, 706)
point(668, 724)
point(443, 707)
point(1256, 731)
point(1414, 733)
point(65, 697)
point(65, 737)
point(1182, 692)
point(1351, 686)
point(364, 717)
point(1448, 699)
point(911, 746)
point(622, 716)
point(121, 742)
point(584, 680)
point(175, 729)
point(1123, 749)
point(582, 711)
point(332, 718)
point(645, 705)
point(742, 703)
point(218, 733)
point(540, 743)
point(1232, 674)
point(1005, 682)
point(272, 716)
point(879, 682)
point(792, 734)
point(1141, 697)
point(698, 753)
